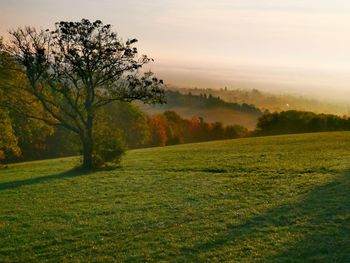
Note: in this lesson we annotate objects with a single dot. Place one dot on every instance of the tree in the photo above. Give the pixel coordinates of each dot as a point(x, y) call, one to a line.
point(77, 69)
point(31, 134)
point(8, 140)
point(176, 126)
point(158, 130)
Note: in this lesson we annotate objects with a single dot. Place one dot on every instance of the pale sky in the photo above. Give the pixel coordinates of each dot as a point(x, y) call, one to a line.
point(298, 46)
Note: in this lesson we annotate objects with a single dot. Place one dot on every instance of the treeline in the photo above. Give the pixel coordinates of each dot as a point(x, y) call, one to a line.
point(205, 101)
point(292, 121)
point(31, 139)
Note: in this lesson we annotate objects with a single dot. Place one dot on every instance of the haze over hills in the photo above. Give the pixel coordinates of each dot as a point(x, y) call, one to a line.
point(225, 105)
point(269, 100)
point(210, 108)
point(320, 84)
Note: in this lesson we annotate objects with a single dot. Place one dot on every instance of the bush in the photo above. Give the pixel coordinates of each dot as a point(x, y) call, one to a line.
point(109, 147)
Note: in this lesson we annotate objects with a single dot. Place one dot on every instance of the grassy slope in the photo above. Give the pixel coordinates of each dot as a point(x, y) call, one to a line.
point(284, 198)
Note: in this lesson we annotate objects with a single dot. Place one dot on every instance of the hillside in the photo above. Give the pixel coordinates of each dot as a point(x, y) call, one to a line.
point(212, 109)
point(270, 101)
point(256, 199)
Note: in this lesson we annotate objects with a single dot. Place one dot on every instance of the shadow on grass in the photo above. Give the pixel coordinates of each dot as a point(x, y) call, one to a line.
point(320, 221)
point(67, 174)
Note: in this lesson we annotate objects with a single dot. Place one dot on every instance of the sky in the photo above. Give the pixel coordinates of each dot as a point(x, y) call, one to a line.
point(285, 46)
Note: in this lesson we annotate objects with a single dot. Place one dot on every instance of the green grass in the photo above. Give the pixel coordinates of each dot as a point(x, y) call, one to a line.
point(278, 199)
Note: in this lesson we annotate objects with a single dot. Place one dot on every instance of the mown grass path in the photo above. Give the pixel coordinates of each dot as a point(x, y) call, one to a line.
point(278, 199)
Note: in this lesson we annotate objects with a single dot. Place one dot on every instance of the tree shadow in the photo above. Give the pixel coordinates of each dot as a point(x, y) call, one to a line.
point(321, 219)
point(67, 174)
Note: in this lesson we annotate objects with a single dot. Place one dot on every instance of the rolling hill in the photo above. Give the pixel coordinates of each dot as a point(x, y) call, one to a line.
point(259, 199)
point(212, 109)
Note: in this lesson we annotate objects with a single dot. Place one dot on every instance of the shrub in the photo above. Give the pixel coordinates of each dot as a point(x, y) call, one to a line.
point(109, 147)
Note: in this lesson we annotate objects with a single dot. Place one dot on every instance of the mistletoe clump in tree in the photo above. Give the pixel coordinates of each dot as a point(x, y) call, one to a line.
point(75, 70)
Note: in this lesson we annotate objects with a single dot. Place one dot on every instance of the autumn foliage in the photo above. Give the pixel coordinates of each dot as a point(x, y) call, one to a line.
point(169, 128)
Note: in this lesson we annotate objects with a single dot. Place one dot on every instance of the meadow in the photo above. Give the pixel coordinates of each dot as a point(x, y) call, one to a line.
point(264, 199)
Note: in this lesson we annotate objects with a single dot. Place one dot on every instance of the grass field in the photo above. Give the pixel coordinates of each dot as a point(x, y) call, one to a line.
point(279, 199)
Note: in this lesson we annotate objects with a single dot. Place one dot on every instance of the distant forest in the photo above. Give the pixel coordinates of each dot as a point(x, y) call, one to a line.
point(268, 101)
point(209, 107)
point(206, 101)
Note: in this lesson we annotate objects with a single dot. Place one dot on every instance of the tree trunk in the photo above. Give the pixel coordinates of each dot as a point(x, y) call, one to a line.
point(87, 154)
point(87, 147)
point(87, 136)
